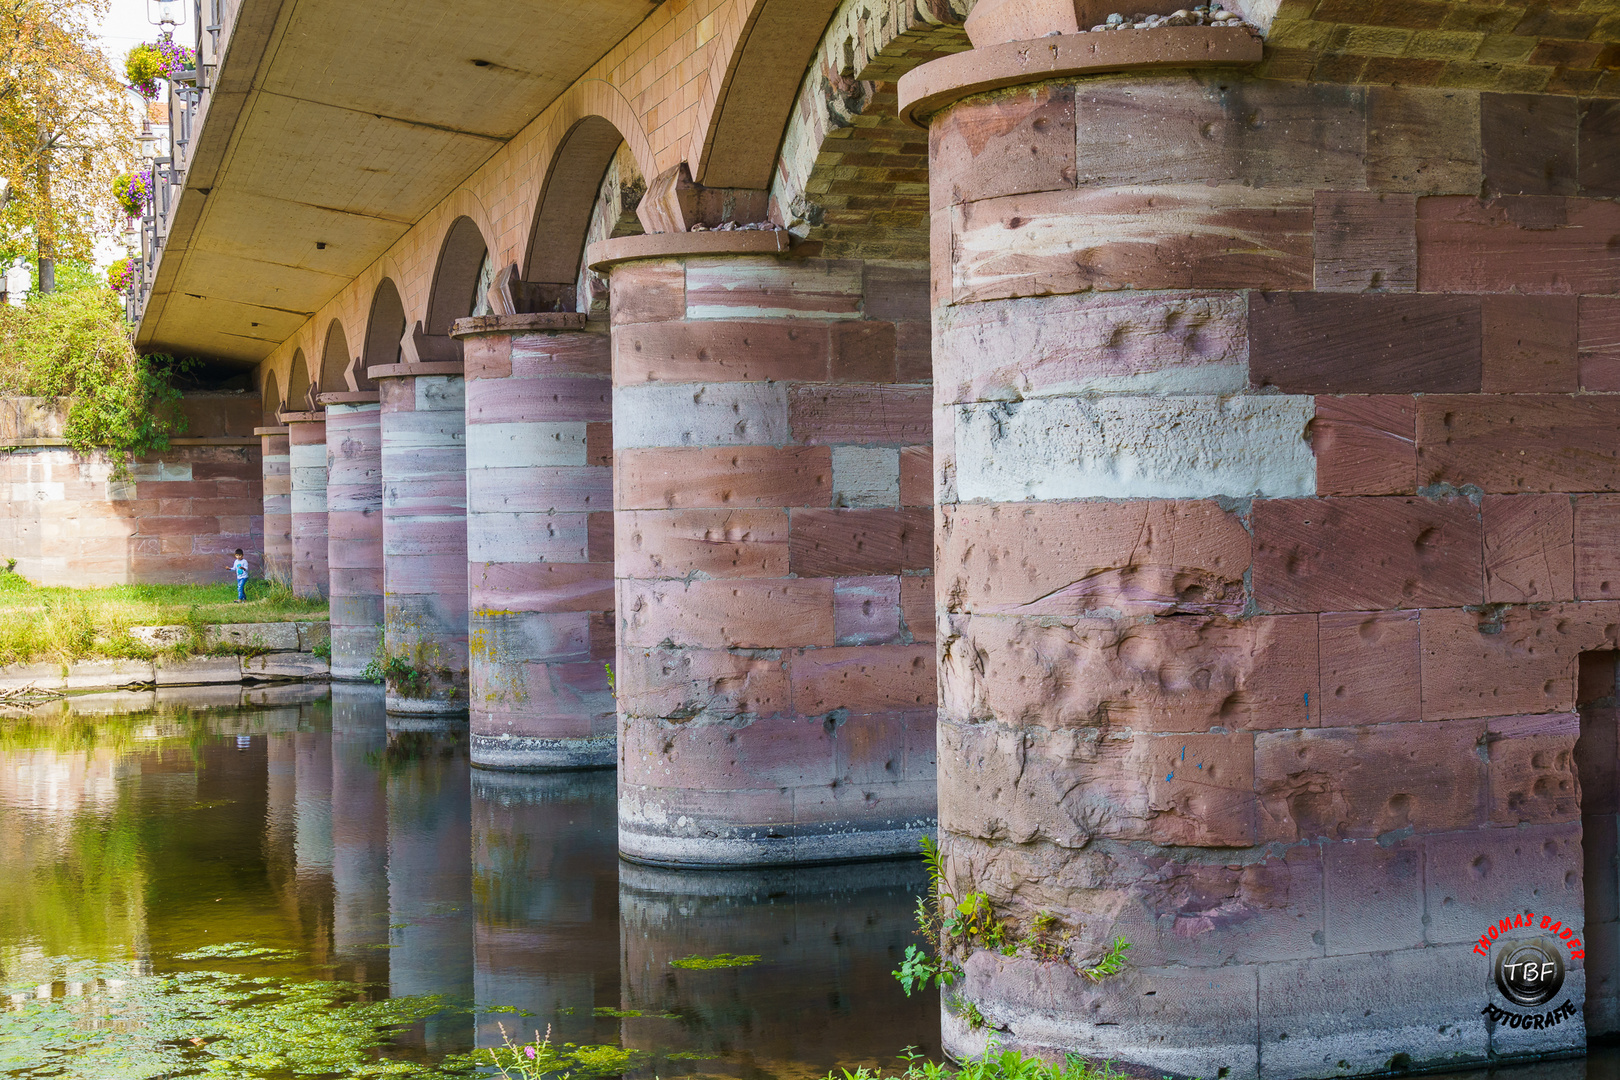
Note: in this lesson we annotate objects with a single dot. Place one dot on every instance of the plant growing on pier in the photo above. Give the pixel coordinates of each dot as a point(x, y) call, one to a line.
point(994, 1064)
point(1112, 963)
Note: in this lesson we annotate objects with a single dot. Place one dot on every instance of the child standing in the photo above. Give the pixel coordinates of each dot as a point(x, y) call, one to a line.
point(240, 566)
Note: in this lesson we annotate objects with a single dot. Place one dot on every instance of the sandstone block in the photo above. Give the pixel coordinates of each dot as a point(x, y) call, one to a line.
point(281, 636)
point(682, 684)
point(1366, 241)
point(1326, 343)
point(1596, 554)
point(713, 542)
point(917, 476)
point(104, 674)
point(1597, 151)
point(1529, 143)
point(863, 352)
point(1176, 673)
point(765, 287)
point(532, 586)
point(1365, 782)
point(778, 753)
point(734, 613)
point(1598, 343)
point(1373, 896)
point(285, 665)
point(1530, 652)
point(700, 414)
point(1508, 444)
point(861, 415)
point(1365, 554)
point(753, 476)
point(1416, 1005)
point(1529, 549)
point(1474, 878)
point(646, 291)
point(1529, 345)
point(864, 679)
point(847, 542)
point(1520, 244)
point(1136, 557)
point(1213, 130)
point(1364, 445)
point(1227, 237)
point(713, 351)
point(1069, 787)
point(1370, 668)
point(1020, 142)
point(1096, 342)
point(866, 610)
point(1532, 764)
point(917, 605)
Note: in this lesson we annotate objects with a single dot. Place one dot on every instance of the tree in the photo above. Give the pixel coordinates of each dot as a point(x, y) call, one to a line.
point(66, 131)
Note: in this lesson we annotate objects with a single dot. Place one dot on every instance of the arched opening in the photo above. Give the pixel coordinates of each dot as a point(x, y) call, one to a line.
point(337, 366)
point(270, 406)
point(460, 288)
point(300, 396)
point(385, 327)
point(592, 187)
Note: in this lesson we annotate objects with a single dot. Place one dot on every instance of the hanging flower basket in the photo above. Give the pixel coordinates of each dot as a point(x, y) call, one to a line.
point(121, 275)
point(153, 60)
point(132, 190)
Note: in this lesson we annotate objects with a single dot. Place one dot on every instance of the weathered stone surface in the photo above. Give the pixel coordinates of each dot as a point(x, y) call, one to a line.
point(917, 605)
point(713, 542)
point(1093, 343)
point(1529, 345)
point(198, 671)
point(861, 680)
point(844, 542)
point(722, 614)
point(1528, 442)
point(1364, 782)
point(1401, 1016)
point(1070, 787)
point(1598, 343)
point(864, 415)
point(764, 287)
point(753, 476)
point(649, 291)
point(1365, 554)
point(1180, 673)
point(1022, 141)
point(105, 674)
point(720, 351)
point(1364, 445)
point(1523, 244)
point(1532, 763)
point(1599, 148)
point(866, 611)
point(1422, 139)
point(1529, 143)
point(1208, 128)
point(1146, 237)
point(701, 684)
point(1136, 557)
point(285, 665)
point(1183, 447)
point(1596, 555)
point(1323, 343)
point(1530, 653)
point(281, 636)
point(700, 414)
point(1471, 879)
point(1529, 549)
point(1366, 241)
point(1370, 662)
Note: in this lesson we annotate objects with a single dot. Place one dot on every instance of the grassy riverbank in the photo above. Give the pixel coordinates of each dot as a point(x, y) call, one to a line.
point(40, 623)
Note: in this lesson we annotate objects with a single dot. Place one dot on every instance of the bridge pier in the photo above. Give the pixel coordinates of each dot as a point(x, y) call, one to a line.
point(354, 527)
point(1261, 620)
point(424, 511)
point(274, 453)
point(539, 541)
point(307, 465)
point(775, 668)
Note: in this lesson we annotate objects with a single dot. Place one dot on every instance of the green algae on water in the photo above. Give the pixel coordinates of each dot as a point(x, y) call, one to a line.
point(719, 960)
point(238, 950)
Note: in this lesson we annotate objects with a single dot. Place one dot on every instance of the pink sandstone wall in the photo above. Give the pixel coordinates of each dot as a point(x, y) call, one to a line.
point(176, 518)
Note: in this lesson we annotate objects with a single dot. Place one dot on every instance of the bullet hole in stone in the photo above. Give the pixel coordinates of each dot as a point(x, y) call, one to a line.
point(1226, 1070)
point(480, 63)
point(1339, 692)
point(1399, 1061)
point(1480, 867)
point(1550, 848)
point(1343, 1064)
point(1015, 223)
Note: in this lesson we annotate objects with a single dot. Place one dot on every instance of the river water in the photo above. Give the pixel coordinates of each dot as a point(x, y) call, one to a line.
point(158, 857)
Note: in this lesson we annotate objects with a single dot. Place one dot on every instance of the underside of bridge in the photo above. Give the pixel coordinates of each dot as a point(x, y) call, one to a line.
point(1172, 455)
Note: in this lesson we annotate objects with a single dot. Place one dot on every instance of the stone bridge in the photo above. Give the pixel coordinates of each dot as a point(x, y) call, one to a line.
point(1197, 438)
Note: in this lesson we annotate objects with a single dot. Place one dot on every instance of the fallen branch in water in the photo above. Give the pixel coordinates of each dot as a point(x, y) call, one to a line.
point(28, 695)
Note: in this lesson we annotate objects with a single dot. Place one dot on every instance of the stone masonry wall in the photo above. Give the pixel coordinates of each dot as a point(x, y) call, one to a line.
point(1276, 461)
point(176, 518)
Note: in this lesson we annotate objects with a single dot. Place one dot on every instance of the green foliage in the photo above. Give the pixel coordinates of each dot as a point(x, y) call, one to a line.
point(1112, 963)
point(143, 67)
point(612, 688)
point(323, 649)
point(531, 1061)
point(996, 1064)
point(918, 969)
point(75, 345)
point(719, 960)
point(62, 624)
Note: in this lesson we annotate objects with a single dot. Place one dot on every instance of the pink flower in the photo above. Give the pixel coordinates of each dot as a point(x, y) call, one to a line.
point(530, 1051)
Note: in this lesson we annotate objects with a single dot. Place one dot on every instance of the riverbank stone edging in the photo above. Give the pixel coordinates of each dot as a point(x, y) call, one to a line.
point(288, 656)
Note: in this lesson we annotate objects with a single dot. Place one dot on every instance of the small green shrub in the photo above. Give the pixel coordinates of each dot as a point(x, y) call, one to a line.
point(995, 1064)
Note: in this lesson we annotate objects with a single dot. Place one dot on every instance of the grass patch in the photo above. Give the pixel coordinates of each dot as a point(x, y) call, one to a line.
point(42, 623)
point(996, 1064)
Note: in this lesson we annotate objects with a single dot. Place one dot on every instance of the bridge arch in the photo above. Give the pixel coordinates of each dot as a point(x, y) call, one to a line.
point(385, 326)
point(337, 365)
